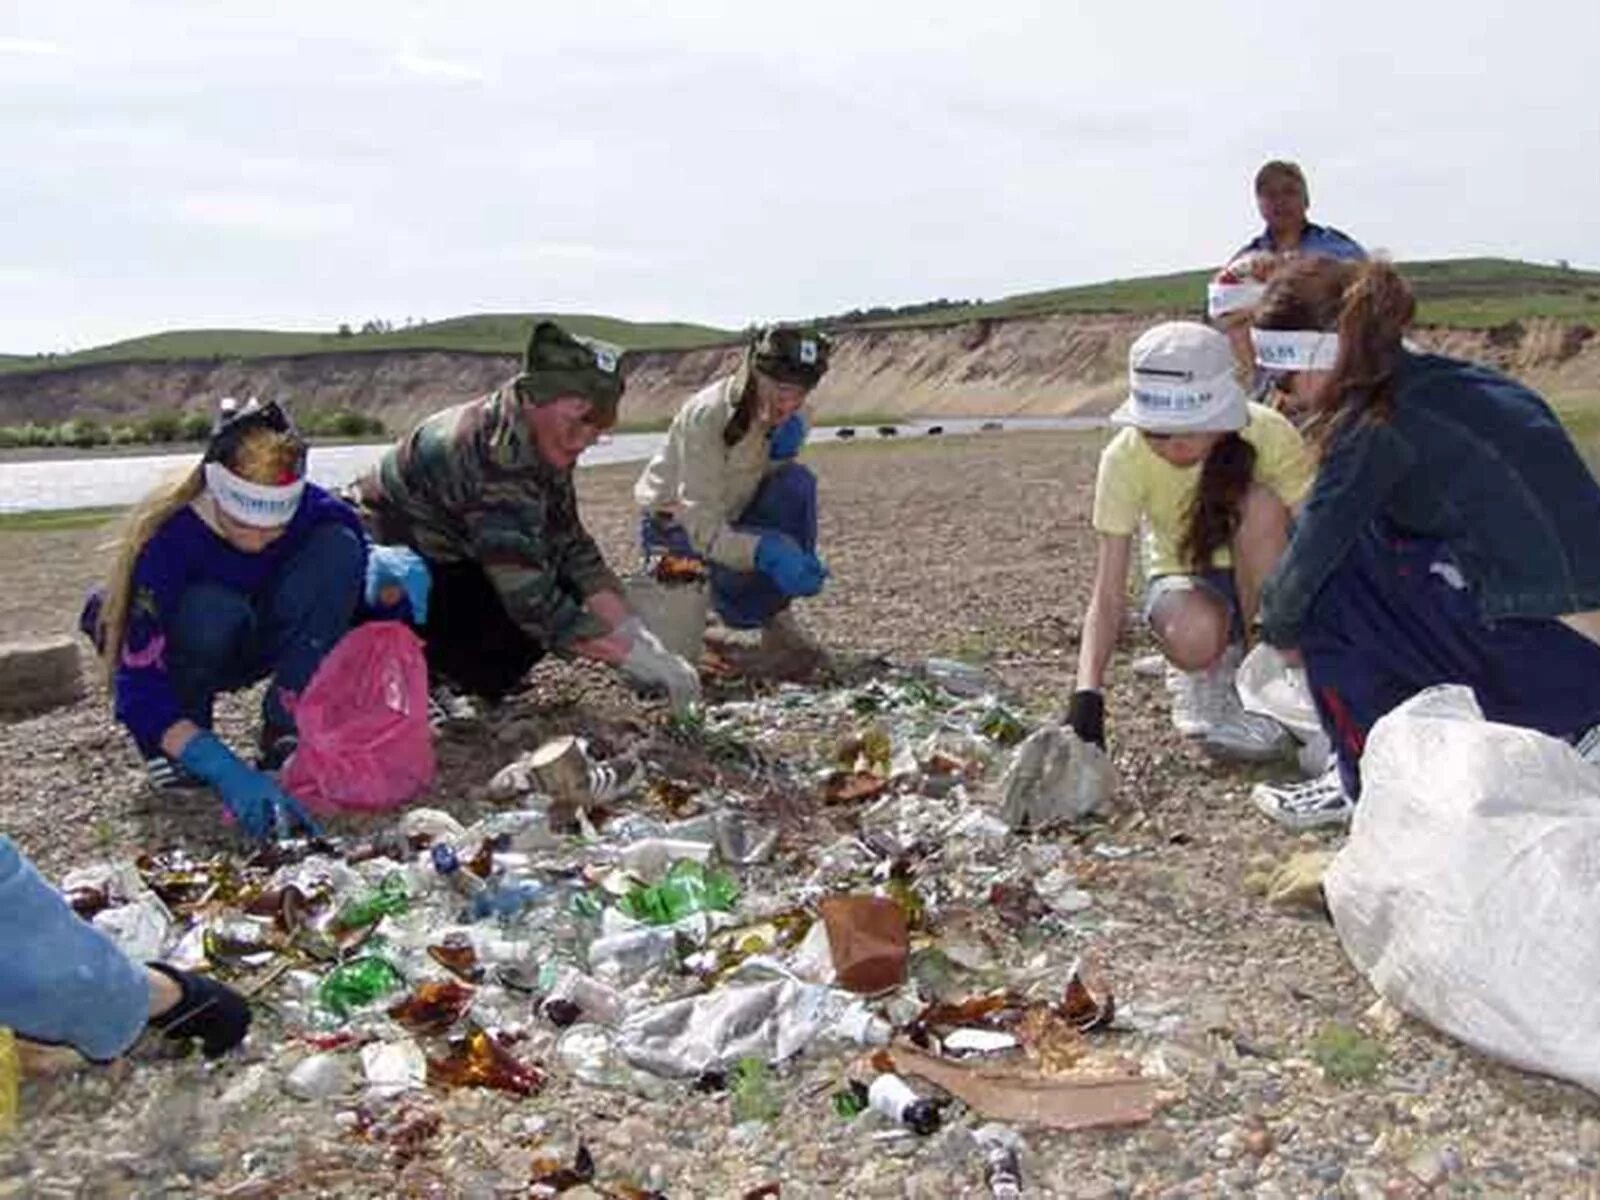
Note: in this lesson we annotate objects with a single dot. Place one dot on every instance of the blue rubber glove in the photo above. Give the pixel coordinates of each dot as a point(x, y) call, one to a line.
point(792, 570)
point(402, 567)
point(257, 803)
point(787, 438)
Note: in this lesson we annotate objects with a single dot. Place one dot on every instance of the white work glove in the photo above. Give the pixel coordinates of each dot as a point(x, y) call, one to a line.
point(650, 664)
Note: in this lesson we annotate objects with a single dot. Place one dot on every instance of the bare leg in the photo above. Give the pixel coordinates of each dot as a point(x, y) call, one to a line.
point(1258, 544)
point(164, 992)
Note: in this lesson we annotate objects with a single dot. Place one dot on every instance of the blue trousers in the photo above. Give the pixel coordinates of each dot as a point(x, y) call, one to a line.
point(222, 640)
point(62, 981)
point(786, 502)
point(1397, 617)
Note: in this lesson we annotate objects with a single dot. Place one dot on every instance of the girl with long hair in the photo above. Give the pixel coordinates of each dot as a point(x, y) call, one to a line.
point(725, 501)
point(1452, 535)
point(1214, 478)
point(237, 571)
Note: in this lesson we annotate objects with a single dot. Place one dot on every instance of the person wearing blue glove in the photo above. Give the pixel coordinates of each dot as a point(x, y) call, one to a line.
point(726, 486)
point(237, 572)
point(257, 804)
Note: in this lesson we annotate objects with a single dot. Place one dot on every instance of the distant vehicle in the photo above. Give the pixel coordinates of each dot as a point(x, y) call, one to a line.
point(990, 427)
point(888, 431)
point(935, 430)
point(845, 432)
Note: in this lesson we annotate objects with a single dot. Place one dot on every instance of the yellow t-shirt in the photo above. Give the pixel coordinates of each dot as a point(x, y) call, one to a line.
point(1134, 482)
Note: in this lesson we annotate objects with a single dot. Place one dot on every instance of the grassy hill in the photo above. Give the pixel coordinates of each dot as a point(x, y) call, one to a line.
point(1465, 292)
point(1473, 293)
point(492, 333)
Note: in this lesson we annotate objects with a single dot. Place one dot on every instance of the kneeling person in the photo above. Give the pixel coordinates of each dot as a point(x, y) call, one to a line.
point(1214, 477)
point(483, 493)
point(725, 490)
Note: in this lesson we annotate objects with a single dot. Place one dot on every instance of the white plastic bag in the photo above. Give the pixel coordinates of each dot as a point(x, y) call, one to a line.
point(1267, 684)
point(1469, 891)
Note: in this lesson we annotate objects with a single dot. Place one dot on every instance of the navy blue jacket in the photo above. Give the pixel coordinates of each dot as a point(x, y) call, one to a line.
point(1470, 457)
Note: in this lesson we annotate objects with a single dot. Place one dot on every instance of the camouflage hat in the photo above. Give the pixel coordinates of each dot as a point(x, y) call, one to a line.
point(558, 364)
point(791, 354)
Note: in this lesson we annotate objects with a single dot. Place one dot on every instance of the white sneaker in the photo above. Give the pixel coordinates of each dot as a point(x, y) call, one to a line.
point(1205, 705)
point(1589, 746)
point(1310, 805)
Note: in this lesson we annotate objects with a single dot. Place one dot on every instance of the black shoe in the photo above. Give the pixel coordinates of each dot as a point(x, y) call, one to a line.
point(209, 1011)
point(169, 775)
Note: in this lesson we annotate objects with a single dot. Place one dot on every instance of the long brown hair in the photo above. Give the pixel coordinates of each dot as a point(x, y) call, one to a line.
point(1370, 305)
point(744, 410)
point(1214, 513)
point(261, 456)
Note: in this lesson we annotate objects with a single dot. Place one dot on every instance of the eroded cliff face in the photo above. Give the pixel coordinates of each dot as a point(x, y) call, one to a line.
point(1036, 366)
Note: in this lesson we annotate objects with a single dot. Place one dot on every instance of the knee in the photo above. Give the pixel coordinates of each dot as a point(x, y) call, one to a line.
point(213, 623)
point(793, 479)
point(1192, 628)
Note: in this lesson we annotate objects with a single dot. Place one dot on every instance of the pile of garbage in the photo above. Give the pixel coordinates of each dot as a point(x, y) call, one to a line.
point(861, 882)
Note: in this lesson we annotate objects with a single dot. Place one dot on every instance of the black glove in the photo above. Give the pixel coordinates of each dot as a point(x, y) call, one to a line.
point(208, 1010)
point(1086, 714)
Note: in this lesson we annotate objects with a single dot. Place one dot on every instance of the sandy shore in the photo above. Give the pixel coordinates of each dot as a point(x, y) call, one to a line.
point(971, 547)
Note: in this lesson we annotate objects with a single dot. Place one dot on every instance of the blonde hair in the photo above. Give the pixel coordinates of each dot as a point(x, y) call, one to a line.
point(261, 456)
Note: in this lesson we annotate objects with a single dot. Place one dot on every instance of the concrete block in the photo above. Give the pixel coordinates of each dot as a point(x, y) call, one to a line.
point(38, 676)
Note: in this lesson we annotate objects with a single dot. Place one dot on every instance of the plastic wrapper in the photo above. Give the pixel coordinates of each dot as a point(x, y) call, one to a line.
point(391, 1067)
point(141, 929)
point(685, 1038)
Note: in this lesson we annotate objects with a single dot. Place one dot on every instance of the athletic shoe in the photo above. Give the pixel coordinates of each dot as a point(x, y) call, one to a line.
point(169, 775)
point(1206, 705)
point(615, 778)
point(1589, 746)
point(1189, 697)
point(448, 707)
point(1310, 805)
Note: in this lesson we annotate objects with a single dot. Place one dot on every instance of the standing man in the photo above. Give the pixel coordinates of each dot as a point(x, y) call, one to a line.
point(1283, 198)
point(473, 513)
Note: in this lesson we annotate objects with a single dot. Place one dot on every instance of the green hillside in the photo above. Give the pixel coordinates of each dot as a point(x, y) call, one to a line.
point(1465, 292)
point(492, 333)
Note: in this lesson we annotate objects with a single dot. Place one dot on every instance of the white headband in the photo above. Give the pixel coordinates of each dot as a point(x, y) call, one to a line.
point(1295, 349)
point(1225, 298)
point(259, 504)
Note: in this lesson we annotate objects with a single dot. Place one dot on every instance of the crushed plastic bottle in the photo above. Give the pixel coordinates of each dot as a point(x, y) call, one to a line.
point(506, 900)
point(390, 899)
point(892, 1097)
point(687, 888)
point(358, 983)
point(10, 1081)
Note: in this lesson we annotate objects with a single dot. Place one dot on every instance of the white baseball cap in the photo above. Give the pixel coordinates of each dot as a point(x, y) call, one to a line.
point(1181, 379)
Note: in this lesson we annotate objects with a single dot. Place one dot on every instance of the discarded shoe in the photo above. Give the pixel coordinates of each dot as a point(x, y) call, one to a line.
point(1311, 805)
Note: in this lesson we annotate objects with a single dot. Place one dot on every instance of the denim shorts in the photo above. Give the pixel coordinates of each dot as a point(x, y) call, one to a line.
point(1218, 582)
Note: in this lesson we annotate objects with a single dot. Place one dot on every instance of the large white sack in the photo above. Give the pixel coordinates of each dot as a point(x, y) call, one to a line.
point(1469, 891)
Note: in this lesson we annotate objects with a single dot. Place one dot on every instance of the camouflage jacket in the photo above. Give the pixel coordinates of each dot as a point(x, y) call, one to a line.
point(468, 484)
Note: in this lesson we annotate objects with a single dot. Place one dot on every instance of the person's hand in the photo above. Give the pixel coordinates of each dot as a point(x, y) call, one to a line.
point(664, 533)
point(786, 440)
point(1086, 716)
point(650, 664)
point(261, 808)
point(392, 569)
point(793, 571)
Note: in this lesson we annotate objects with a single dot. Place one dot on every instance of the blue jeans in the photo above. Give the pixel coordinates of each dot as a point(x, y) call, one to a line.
point(62, 981)
point(222, 640)
point(1396, 617)
point(786, 502)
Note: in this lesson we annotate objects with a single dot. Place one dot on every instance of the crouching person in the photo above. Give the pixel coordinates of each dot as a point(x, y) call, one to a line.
point(476, 519)
point(67, 984)
point(1452, 535)
point(238, 572)
point(1214, 477)
point(726, 492)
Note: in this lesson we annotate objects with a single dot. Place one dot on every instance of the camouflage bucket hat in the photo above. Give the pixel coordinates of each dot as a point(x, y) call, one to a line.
point(558, 364)
point(791, 355)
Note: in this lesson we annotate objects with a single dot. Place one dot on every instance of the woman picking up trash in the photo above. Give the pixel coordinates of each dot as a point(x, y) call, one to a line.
point(1214, 477)
point(66, 983)
point(238, 571)
point(1452, 534)
point(475, 512)
point(725, 493)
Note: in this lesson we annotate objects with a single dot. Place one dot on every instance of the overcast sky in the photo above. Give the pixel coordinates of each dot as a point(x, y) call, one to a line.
point(203, 164)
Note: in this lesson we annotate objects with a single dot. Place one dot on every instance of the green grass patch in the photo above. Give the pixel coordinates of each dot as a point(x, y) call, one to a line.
point(1346, 1055)
point(56, 520)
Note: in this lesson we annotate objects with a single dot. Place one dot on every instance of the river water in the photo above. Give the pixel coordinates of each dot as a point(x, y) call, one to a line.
point(96, 482)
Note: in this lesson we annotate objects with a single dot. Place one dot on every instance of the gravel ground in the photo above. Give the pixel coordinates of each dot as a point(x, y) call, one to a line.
point(976, 548)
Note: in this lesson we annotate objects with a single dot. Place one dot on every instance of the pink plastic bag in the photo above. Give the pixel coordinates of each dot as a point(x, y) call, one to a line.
point(365, 743)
